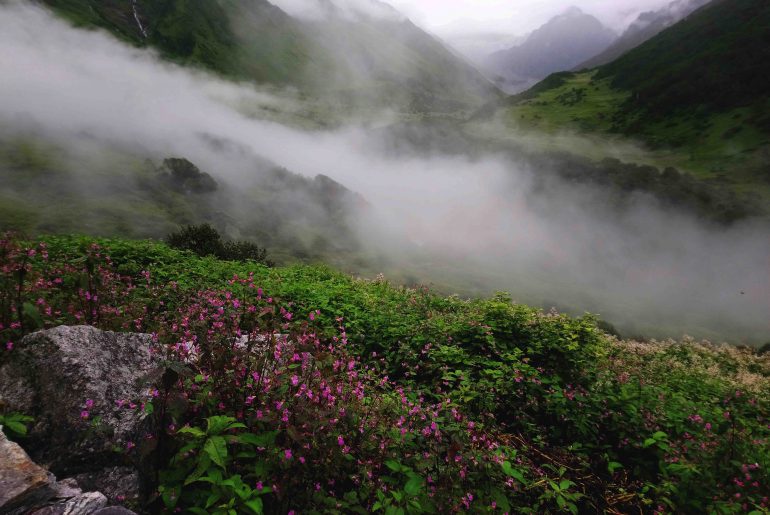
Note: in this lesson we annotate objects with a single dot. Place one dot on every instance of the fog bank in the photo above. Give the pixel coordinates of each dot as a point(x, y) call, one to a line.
point(470, 223)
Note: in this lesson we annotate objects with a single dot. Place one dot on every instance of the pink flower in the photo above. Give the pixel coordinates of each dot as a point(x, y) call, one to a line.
point(340, 441)
point(294, 380)
point(89, 403)
point(287, 454)
point(84, 414)
point(9, 346)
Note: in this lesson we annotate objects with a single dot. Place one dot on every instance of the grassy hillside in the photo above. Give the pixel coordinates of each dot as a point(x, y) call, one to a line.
point(378, 62)
point(114, 192)
point(398, 400)
point(696, 95)
point(717, 59)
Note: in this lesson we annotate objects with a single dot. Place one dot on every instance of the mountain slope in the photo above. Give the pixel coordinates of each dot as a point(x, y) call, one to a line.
point(697, 94)
point(646, 26)
point(332, 56)
point(560, 44)
point(718, 58)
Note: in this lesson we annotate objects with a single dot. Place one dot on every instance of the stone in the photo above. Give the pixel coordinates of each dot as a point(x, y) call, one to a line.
point(56, 374)
point(66, 489)
point(121, 485)
point(22, 482)
point(114, 510)
point(83, 504)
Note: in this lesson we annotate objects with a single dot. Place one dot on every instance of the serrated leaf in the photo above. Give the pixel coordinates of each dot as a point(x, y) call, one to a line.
point(216, 448)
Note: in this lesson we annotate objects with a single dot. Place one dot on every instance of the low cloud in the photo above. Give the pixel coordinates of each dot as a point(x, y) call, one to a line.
point(472, 224)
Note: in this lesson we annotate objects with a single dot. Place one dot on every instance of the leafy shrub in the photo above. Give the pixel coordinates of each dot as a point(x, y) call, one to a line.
point(204, 240)
point(335, 395)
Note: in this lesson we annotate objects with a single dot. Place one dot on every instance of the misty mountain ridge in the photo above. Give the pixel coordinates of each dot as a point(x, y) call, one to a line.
point(562, 43)
point(352, 54)
point(696, 96)
point(647, 25)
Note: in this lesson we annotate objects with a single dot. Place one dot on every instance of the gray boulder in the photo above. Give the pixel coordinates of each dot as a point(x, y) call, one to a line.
point(22, 482)
point(59, 374)
point(83, 504)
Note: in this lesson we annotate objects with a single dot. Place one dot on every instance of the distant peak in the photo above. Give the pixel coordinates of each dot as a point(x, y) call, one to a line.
point(573, 11)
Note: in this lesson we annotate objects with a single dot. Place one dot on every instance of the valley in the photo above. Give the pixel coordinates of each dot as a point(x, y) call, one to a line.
point(306, 256)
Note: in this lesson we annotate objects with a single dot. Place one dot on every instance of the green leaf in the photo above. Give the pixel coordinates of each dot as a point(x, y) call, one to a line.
point(203, 465)
point(393, 465)
point(16, 427)
point(261, 440)
point(30, 312)
point(213, 498)
point(218, 424)
point(613, 466)
point(194, 431)
point(216, 448)
point(255, 505)
point(512, 472)
point(565, 484)
point(414, 485)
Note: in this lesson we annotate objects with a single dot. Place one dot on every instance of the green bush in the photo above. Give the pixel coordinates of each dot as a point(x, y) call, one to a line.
point(204, 240)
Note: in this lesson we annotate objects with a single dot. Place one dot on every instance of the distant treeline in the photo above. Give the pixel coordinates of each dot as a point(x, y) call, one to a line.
point(709, 200)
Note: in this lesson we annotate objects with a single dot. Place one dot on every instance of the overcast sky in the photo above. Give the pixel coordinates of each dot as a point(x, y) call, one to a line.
point(520, 16)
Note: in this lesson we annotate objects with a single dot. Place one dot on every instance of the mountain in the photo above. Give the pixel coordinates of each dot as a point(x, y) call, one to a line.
point(370, 57)
point(561, 44)
point(717, 59)
point(696, 94)
point(648, 25)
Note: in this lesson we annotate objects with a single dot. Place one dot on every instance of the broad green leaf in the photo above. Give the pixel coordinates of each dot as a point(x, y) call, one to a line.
point(414, 485)
point(255, 505)
point(16, 427)
point(216, 448)
point(194, 431)
point(393, 465)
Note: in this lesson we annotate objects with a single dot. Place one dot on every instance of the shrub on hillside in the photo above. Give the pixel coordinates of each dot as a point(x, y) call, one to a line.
point(204, 240)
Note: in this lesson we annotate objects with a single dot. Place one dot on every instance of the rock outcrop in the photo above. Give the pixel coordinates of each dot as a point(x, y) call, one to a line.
point(22, 482)
point(81, 386)
point(27, 488)
point(78, 383)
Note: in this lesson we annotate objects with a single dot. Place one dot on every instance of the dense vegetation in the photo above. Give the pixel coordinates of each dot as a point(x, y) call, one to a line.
point(716, 59)
point(204, 240)
point(303, 389)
